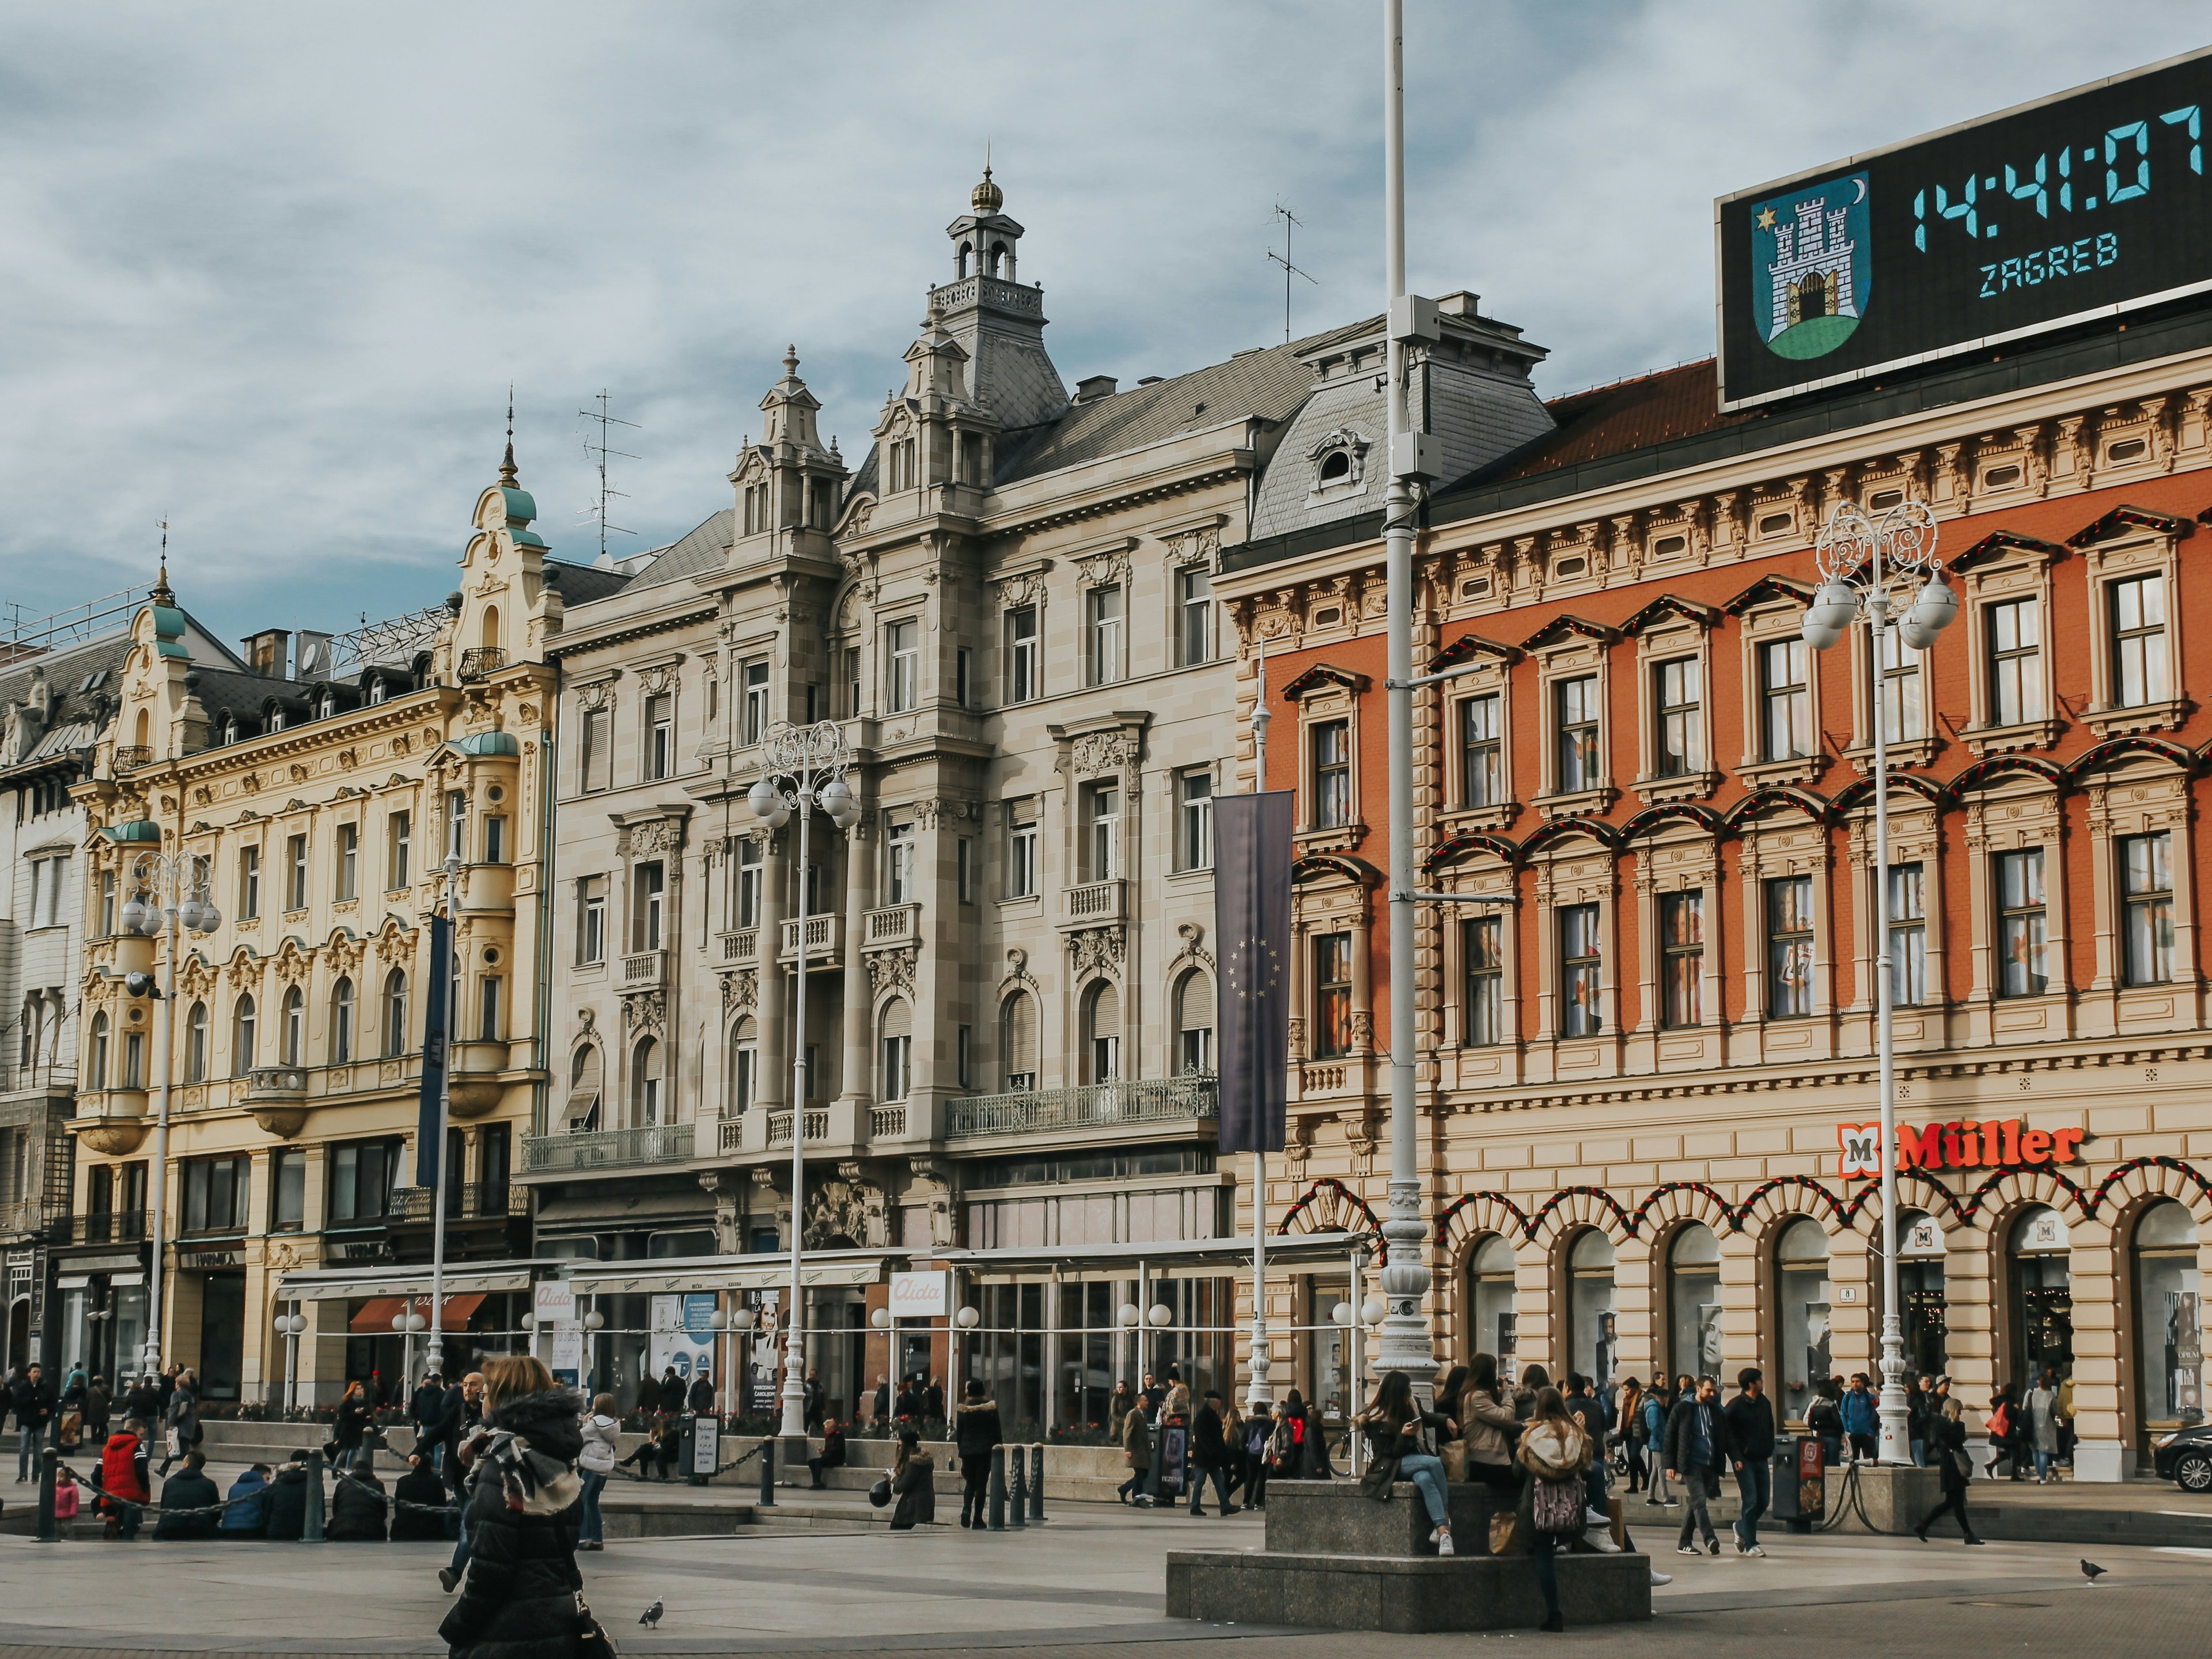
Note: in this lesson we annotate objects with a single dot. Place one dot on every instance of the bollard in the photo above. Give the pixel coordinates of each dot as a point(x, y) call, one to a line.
point(768, 1473)
point(48, 1460)
point(1018, 1488)
point(998, 1490)
point(1036, 1483)
point(311, 1529)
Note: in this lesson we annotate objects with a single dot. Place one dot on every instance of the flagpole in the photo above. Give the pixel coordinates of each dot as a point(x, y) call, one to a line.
point(1259, 1394)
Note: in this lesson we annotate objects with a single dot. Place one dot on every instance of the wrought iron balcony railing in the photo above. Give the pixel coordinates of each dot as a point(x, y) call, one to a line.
point(608, 1149)
point(1094, 1105)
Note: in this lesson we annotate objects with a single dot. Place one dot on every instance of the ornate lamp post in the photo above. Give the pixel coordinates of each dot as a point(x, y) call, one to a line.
point(1883, 572)
point(169, 893)
point(806, 769)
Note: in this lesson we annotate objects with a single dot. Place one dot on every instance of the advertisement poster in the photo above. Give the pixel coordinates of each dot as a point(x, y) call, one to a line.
point(566, 1362)
point(684, 1336)
point(761, 1352)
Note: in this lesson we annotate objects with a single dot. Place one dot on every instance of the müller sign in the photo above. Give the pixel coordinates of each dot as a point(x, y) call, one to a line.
point(1996, 1143)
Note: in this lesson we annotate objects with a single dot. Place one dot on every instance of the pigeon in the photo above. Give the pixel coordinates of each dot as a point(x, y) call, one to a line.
point(2092, 1571)
point(651, 1616)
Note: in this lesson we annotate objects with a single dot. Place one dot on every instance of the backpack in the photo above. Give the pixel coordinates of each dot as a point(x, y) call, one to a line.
point(1556, 1507)
point(1257, 1438)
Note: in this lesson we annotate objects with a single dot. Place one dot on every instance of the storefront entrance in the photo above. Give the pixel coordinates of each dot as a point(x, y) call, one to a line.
point(223, 1334)
point(1922, 1294)
point(2042, 1298)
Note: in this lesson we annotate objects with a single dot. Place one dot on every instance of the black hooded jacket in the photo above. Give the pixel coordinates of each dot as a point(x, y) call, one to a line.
point(976, 1428)
point(519, 1600)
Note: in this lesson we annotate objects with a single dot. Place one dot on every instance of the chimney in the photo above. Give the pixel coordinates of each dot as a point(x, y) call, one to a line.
point(1098, 385)
point(267, 653)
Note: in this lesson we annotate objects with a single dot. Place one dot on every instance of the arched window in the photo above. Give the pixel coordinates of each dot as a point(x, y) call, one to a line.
point(145, 729)
point(1592, 1337)
point(1193, 1006)
point(196, 1044)
point(743, 1083)
point(241, 1035)
point(960, 262)
point(2042, 1301)
point(342, 1021)
point(1336, 466)
point(1693, 1302)
point(2166, 1319)
point(1920, 1289)
point(997, 259)
point(1018, 1041)
point(95, 1069)
point(1490, 1294)
point(490, 636)
point(230, 728)
point(1102, 1033)
point(1801, 1282)
point(379, 690)
point(294, 1039)
point(584, 1074)
point(645, 1081)
point(395, 1014)
point(897, 1050)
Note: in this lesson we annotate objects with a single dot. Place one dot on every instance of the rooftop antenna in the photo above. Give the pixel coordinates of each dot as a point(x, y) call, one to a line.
point(1290, 222)
point(597, 512)
point(161, 595)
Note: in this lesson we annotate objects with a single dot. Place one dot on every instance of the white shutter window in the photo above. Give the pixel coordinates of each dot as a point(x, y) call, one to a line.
point(898, 1019)
point(1020, 1041)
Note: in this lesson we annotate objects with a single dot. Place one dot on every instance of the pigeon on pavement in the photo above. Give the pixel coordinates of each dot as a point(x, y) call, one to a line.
point(2092, 1571)
point(652, 1614)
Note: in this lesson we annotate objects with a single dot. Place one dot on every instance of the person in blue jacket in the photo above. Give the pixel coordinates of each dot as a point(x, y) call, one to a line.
point(248, 1514)
point(1862, 1422)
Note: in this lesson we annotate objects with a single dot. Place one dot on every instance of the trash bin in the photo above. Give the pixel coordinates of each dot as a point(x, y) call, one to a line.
point(700, 1450)
point(1801, 1484)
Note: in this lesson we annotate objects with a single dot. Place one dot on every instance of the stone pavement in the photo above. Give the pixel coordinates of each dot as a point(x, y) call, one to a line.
point(1089, 1581)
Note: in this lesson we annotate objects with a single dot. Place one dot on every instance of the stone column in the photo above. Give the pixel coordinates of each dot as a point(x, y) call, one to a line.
point(857, 1076)
point(772, 1063)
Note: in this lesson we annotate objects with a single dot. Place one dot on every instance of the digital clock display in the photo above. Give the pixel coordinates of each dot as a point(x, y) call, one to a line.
point(2085, 205)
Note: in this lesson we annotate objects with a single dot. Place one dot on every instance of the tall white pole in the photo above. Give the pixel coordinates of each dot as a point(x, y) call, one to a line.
point(157, 1180)
point(1896, 1428)
point(794, 1350)
point(1406, 1344)
point(1258, 1393)
point(435, 1357)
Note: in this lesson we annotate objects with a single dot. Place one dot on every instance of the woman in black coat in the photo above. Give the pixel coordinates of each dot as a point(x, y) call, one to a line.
point(519, 1600)
point(350, 1426)
point(913, 1483)
point(359, 1505)
point(976, 1433)
point(1946, 1440)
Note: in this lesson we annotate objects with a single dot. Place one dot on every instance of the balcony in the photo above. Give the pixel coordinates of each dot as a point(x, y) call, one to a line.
point(642, 970)
point(474, 1200)
point(1093, 1106)
point(129, 756)
point(105, 1227)
point(900, 924)
point(779, 1126)
point(481, 663)
point(887, 1123)
point(1097, 903)
point(825, 940)
point(281, 1083)
point(607, 1149)
point(741, 946)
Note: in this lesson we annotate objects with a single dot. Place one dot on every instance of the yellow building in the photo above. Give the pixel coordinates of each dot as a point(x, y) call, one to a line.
point(316, 787)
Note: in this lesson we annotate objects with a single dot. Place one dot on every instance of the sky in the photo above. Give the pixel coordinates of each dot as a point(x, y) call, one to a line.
point(267, 271)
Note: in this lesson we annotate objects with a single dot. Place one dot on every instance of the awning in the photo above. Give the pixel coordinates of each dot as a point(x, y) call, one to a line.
point(377, 1313)
point(1288, 1249)
point(745, 1272)
point(351, 1284)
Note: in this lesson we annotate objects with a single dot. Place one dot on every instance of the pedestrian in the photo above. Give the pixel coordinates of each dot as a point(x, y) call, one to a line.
point(1392, 1423)
point(1657, 1404)
point(350, 1426)
point(1824, 1420)
point(1137, 1451)
point(833, 1451)
point(142, 1399)
point(880, 1414)
point(1209, 1457)
point(1533, 1382)
point(75, 1386)
point(359, 1506)
point(974, 1436)
point(1916, 1420)
point(812, 1388)
point(1556, 1454)
point(1697, 1448)
point(126, 1483)
point(2066, 1421)
point(1589, 1410)
point(1999, 1425)
point(1862, 1421)
point(909, 1400)
point(668, 1402)
point(245, 1512)
point(1947, 1440)
point(701, 1401)
point(1119, 1404)
point(2040, 1412)
point(1254, 1437)
point(525, 1497)
point(653, 1456)
point(1633, 1434)
point(189, 1503)
point(419, 1511)
point(182, 1423)
point(1287, 1450)
point(1487, 1426)
point(288, 1500)
point(914, 1482)
point(932, 1400)
point(32, 1398)
point(1751, 1446)
point(378, 1395)
point(1153, 1393)
point(463, 1417)
point(426, 1411)
point(1318, 1445)
point(98, 1403)
point(595, 1462)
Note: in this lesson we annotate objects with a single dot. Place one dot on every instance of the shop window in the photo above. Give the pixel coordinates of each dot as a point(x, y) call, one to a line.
point(2023, 936)
point(1693, 1302)
point(1582, 963)
point(1801, 1287)
point(2168, 1328)
point(1681, 718)
point(1482, 951)
point(1921, 1291)
point(1682, 959)
point(2146, 893)
point(1332, 1022)
point(1490, 1289)
point(1908, 937)
point(1790, 947)
point(2042, 1300)
point(1593, 1338)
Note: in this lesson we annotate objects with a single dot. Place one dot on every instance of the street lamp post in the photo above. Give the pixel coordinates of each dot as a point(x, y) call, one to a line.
point(806, 769)
point(169, 893)
point(1886, 573)
point(434, 1353)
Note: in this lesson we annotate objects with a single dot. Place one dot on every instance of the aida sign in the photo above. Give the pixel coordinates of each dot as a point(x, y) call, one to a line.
point(1970, 1143)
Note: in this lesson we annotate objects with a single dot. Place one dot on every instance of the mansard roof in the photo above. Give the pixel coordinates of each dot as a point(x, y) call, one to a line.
point(702, 548)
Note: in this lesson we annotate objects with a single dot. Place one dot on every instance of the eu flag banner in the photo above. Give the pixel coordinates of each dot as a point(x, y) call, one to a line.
point(1252, 932)
point(430, 1143)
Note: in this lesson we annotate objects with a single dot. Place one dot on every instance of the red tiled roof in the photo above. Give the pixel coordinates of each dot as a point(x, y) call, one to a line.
point(1682, 402)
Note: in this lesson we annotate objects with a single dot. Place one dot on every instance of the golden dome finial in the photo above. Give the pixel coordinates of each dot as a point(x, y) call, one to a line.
point(987, 197)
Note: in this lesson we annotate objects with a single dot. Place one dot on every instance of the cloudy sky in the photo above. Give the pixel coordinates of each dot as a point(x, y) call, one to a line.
point(269, 270)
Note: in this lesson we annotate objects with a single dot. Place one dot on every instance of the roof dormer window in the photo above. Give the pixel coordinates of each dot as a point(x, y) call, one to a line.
point(330, 705)
point(1340, 466)
point(379, 690)
point(230, 730)
point(276, 719)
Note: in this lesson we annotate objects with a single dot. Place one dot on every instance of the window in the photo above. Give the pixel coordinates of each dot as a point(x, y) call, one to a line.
point(903, 641)
point(363, 1176)
point(897, 1050)
point(293, 1040)
point(495, 847)
point(1582, 962)
point(2168, 1293)
point(489, 1025)
point(660, 736)
point(1681, 747)
point(899, 861)
point(598, 748)
point(249, 883)
point(1789, 947)
point(342, 1021)
point(1332, 775)
point(850, 657)
point(1576, 703)
point(1902, 720)
point(2016, 663)
point(755, 717)
point(744, 1065)
point(95, 1067)
point(964, 662)
point(1101, 1032)
point(1024, 681)
point(961, 1043)
point(395, 1014)
point(1105, 620)
point(1102, 827)
point(107, 896)
point(964, 862)
point(1195, 848)
point(971, 458)
point(134, 1060)
point(214, 1196)
point(645, 1082)
point(2022, 928)
point(399, 839)
point(49, 876)
point(295, 873)
point(456, 823)
point(2139, 642)
point(1480, 769)
point(288, 1185)
point(2147, 891)
point(1332, 958)
point(349, 866)
point(241, 1036)
point(1194, 617)
point(1022, 848)
point(196, 1044)
point(1785, 700)
point(645, 890)
point(748, 883)
point(1682, 959)
point(1482, 956)
point(1193, 1014)
point(1908, 937)
point(1018, 1041)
